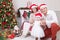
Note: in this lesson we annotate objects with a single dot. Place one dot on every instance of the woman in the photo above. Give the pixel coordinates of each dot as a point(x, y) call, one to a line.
point(27, 26)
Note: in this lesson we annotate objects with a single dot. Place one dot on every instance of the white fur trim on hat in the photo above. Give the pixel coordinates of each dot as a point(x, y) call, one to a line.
point(34, 6)
point(43, 6)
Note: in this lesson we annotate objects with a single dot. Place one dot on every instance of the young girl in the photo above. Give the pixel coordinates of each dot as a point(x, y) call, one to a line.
point(37, 30)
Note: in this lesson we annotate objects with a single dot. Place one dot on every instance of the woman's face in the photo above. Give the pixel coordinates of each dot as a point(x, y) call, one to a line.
point(34, 10)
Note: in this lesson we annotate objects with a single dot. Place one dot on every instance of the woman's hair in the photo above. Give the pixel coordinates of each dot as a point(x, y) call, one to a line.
point(36, 10)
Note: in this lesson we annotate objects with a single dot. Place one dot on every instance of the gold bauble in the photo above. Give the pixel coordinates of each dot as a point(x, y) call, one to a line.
point(0, 22)
point(9, 9)
point(13, 20)
point(6, 20)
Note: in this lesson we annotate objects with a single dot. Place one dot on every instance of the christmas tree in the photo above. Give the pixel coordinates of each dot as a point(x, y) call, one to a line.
point(7, 15)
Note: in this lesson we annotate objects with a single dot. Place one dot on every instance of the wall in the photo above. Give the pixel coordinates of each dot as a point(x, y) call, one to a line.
point(52, 4)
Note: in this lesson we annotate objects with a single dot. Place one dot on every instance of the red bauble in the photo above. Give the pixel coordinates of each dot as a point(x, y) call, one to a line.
point(2, 27)
point(4, 23)
point(11, 36)
point(0, 6)
point(8, 13)
point(3, 3)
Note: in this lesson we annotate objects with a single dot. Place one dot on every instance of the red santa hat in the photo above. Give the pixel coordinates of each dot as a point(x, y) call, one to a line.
point(38, 15)
point(33, 6)
point(42, 6)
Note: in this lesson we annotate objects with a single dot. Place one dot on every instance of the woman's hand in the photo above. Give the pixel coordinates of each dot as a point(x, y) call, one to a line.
point(43, 22)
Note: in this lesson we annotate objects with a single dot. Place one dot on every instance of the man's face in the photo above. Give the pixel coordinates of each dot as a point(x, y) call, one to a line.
point(44, 10)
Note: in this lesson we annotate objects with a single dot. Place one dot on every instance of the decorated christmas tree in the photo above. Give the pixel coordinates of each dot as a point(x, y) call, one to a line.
point(7, 15)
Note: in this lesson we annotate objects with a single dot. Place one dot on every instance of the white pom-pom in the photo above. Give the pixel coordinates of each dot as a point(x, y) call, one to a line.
point(16, 28)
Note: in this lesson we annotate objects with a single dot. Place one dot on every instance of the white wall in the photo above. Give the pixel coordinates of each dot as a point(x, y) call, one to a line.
point(52, 4)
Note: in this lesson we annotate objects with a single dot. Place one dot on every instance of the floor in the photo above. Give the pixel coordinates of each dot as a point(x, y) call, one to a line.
point(32, 38)
point(27, 38)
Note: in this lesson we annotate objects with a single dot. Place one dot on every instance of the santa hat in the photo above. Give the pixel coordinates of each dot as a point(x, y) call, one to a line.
point(42, 6)
point(38, 15)
point(33, 6)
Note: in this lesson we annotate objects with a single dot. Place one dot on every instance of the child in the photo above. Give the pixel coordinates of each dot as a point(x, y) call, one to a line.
point(37, 30)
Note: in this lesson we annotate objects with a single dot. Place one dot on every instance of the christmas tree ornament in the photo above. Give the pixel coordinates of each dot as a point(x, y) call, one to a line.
point(15, 23)
point(8, 27)
point(11, 36)
point(11, 22)
point(8, 6)
point(2, 16)
point(1, 2)
point(8, 13)
point(5, 34)
point(0, 11)
point(10, 0)
point(2, 27)
point(14, 14)
point(4, 23)
point(14, 20)
point(5, 11)
point(8, 3)
point(3, 5)
point(9, 9)
point(0, 6)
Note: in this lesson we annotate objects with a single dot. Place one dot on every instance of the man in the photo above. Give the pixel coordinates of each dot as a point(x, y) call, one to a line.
point(50, 23)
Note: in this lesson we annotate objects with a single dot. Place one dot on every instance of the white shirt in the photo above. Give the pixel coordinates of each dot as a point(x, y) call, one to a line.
point(51, 18)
